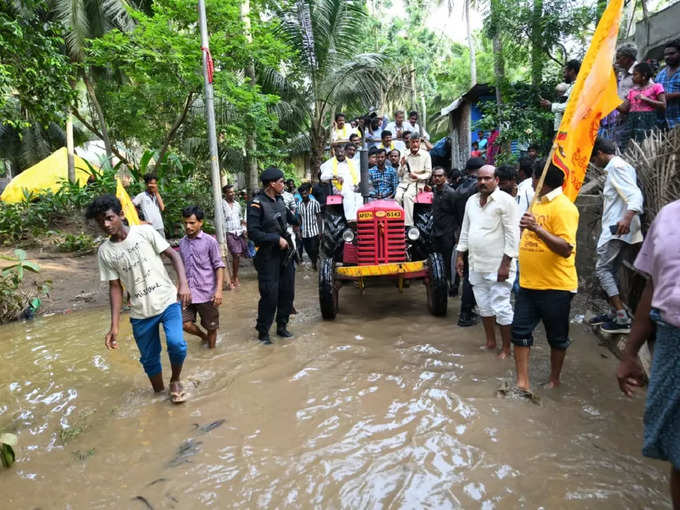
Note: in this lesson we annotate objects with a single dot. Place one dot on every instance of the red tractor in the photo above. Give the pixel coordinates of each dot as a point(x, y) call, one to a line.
point(378, 246)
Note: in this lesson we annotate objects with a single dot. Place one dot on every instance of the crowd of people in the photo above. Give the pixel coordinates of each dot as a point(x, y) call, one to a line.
point(650, 99)
point(500, 235)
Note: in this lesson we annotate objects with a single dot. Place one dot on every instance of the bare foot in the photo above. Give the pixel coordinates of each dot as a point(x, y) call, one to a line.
point(551, 385)
point(236, 283)
point(487, 347)
point(504, 355)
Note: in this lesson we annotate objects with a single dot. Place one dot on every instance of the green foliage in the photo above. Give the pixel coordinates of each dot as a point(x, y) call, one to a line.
point(34, 72)
point(7, 442)
point(79, 243)
point(14, 298)
point(521, 117)
point(158, 102)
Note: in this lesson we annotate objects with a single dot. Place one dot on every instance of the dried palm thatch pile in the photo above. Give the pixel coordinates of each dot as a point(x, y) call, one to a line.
point(657, 161)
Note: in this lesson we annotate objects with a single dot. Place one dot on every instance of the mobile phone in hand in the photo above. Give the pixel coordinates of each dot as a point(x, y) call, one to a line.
point(614, 228)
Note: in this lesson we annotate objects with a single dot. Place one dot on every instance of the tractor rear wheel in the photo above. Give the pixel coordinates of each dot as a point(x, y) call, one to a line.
point(334, 224)
point(422, 220)
point(437, 286)
point(328, 294)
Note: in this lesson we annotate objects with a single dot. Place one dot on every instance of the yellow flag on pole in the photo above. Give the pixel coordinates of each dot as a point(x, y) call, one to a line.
point(128, 207)
point(592, 98)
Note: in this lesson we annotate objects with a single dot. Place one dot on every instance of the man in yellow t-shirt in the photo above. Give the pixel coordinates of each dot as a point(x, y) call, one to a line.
point(547, 280)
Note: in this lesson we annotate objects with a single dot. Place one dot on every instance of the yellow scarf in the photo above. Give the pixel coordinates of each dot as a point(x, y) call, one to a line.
point(343, 133)
point(382, 146)
point(352, 170)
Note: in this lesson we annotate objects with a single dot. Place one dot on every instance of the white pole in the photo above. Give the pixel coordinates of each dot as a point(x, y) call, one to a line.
point(212, 137)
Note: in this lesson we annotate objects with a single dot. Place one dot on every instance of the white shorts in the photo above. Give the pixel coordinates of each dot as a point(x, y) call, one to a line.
point(493, 297)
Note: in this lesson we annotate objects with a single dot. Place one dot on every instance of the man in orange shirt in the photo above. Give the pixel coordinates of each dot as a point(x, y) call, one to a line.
point(548, 280)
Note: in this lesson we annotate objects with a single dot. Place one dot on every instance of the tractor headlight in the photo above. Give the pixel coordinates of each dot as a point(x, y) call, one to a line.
point(348, 235)
point(413, 234)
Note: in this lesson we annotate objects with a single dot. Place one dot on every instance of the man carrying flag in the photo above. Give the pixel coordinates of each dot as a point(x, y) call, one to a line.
point(548, 278)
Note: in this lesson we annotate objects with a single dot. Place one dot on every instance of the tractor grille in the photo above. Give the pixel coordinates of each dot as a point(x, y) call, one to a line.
point(380, 241)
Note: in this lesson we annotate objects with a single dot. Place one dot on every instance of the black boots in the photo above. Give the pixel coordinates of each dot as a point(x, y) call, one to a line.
point(283, 332)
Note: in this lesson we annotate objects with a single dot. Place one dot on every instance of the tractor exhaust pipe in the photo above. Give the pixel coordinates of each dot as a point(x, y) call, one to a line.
point(364, 185)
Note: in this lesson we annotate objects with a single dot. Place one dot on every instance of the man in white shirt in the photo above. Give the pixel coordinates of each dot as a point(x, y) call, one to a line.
point(389, 144)
point(341, 130)
point(623, 204)
point(414, 128)
point(234, 226)
point(151, 204)
point(397, 126)
point(352, 153)
point(571, 70)
point(344, 175)
point(525, 188)
point(416, 168)
point(131, 258)
point(490, 235)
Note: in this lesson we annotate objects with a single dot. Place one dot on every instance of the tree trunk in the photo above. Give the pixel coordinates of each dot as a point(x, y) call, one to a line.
point(536, 45)
point(498, 60)
point(100, 116)
point(173, 130)
point(316, 156)
point(70, 159)
point(471, 46)
point(414, 92)
point(251, 143)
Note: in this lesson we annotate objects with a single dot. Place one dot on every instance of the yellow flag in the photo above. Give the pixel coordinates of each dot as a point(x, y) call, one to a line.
point(128, 207)
point(592, 98)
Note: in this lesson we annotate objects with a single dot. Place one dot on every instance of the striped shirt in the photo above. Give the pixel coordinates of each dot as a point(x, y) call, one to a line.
point(233, 219)
point(308, 212)
point(671, 84)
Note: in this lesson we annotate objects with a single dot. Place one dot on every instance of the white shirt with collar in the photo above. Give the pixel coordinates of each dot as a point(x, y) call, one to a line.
point(620, 194)
point(489, 232)
point(393, 128)
point(525, 194)
point(416, 129)
point(626, 81)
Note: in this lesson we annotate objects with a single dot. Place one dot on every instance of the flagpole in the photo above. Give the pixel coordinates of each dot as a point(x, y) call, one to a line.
point(541, 180)
point(212, 137)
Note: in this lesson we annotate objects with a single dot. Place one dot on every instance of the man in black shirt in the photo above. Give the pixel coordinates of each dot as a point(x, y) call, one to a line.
point(268, 219)
point(467, 188)
point(445, 224)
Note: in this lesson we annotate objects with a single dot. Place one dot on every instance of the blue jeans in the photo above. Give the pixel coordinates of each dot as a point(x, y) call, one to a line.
point(148, 338)
point(550, 306)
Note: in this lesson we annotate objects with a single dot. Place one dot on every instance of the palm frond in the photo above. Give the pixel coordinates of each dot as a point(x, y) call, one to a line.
point(73, 16)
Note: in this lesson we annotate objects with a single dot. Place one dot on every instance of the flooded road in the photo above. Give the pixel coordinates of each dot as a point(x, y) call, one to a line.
point(387, 407)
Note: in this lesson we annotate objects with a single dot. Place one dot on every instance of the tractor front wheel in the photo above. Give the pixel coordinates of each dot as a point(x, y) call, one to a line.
point(437, 285)
point(328, 294)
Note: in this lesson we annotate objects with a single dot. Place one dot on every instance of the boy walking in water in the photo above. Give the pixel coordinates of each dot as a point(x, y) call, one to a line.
point(131, 258)
point(205, 273)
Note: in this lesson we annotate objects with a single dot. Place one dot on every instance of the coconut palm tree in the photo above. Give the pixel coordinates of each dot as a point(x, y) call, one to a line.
point(89, 19)
point(326, 73)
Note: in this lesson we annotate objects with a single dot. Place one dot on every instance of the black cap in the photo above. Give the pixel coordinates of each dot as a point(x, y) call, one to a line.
point(271, 174)
point(474, 164)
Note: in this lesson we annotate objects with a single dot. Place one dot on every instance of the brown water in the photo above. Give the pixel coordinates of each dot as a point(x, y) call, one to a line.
point(386, 407)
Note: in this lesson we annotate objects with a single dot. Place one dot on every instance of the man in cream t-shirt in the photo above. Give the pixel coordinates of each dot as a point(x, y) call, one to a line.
point(130, 259)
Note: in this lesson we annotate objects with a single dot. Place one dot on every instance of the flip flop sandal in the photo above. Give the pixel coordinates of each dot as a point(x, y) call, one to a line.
point(178, 397)
point(507, 390)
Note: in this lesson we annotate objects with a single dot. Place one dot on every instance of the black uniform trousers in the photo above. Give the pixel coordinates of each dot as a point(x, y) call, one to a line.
point(277, 290)
point(467, 300)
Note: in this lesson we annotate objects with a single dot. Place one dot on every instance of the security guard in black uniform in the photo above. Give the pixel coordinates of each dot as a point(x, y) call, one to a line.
point(268, 220)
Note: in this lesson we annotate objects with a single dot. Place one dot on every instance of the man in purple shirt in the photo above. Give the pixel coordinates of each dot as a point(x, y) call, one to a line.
point(658, 316)
point(205, 274)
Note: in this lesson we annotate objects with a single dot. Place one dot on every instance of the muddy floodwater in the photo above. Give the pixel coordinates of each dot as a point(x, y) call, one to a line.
point(387, 407)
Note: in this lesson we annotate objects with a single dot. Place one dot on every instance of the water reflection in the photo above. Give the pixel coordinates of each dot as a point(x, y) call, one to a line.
point(384, 408)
